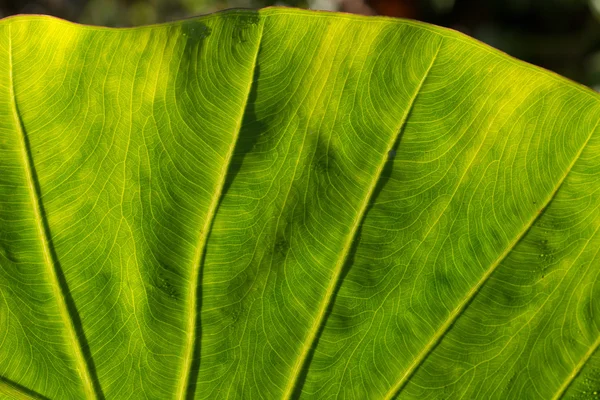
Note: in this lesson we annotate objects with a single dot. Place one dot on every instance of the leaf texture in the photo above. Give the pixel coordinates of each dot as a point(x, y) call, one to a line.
point(292, 204)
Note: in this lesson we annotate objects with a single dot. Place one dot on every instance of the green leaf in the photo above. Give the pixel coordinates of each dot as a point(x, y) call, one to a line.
point(285, 203)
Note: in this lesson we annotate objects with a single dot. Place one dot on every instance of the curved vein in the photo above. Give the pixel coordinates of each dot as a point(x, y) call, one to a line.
point(18, 392)
point(191, 332)
point(577, 370)
point(439, 334)
point(52, 267)
point(337, 270)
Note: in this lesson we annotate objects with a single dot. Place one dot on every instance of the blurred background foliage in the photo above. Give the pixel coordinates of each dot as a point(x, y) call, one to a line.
point(560, 35)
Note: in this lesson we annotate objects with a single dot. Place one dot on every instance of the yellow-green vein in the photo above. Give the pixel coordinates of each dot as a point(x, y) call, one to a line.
point(191, 333)
point(50, 262)
point(453, 316)
point(337, 270)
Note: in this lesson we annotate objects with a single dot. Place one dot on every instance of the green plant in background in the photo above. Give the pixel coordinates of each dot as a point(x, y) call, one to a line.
point(284, 203)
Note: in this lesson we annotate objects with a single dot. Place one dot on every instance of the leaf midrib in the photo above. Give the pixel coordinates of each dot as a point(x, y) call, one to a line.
point(577, 370)
point(185, 386)
point(337, 271)
point(18, 392)
point(42, 230)
point(455, 314)
point(37, 204)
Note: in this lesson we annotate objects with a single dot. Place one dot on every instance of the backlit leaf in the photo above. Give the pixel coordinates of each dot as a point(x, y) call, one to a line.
point(285, 203)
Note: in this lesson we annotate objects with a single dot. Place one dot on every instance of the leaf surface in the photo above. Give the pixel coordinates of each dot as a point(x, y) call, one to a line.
point(283, 203)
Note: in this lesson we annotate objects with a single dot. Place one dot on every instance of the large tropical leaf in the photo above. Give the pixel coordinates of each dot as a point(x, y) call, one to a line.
point(287, 203)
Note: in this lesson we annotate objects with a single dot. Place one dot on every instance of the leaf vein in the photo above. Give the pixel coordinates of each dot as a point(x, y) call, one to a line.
point(66, 306)
point(186, 387)
point(455, 314)
point(337, 272)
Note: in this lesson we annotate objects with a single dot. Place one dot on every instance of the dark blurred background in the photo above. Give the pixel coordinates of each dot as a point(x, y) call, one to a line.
point(560, 35)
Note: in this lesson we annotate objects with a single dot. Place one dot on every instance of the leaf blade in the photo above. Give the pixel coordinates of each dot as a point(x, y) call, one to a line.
point(133, 129)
